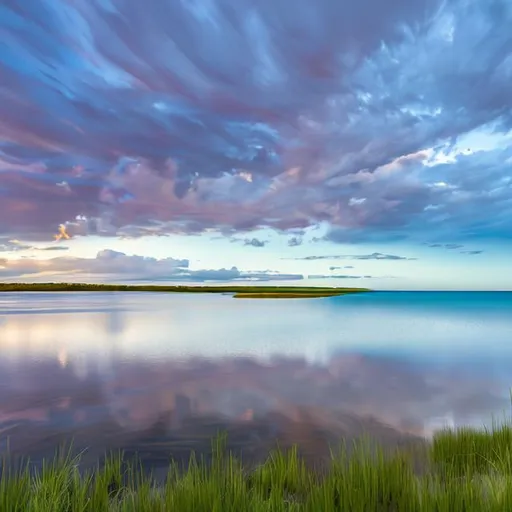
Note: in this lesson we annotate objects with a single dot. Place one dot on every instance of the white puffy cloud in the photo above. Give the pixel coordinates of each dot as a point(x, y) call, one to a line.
point(109, 265)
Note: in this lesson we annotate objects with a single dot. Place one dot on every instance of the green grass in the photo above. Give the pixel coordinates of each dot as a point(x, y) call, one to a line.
point(288, 295)
point(462, 470)
point(274, 292)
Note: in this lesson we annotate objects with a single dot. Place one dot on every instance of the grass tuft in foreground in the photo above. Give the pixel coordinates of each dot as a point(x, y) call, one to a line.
point(466, 470)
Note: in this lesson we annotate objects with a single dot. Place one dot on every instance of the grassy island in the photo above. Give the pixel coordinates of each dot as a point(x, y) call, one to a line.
point(243, 292)
point(463, 470)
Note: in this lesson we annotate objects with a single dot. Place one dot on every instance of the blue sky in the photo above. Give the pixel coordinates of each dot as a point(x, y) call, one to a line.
point(274, 141)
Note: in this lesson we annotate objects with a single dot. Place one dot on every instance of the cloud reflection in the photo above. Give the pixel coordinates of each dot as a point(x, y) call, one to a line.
point(128, 370)
point(350, 394)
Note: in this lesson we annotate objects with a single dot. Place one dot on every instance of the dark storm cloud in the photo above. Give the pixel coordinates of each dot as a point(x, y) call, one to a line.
point(237, 115)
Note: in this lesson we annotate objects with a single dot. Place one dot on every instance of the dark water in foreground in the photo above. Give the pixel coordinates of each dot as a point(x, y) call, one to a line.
point(160, 374)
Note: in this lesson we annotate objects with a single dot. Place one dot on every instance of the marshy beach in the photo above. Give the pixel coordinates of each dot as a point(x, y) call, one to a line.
point(466, 470)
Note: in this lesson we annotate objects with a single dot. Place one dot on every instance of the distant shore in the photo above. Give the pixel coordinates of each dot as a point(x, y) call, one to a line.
point(240, 292)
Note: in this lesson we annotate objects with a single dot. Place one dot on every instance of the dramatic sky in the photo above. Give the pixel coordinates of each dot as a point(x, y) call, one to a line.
point(362, 143)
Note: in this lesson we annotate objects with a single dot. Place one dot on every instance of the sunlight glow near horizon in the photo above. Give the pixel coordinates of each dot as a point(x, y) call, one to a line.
point(209, 175)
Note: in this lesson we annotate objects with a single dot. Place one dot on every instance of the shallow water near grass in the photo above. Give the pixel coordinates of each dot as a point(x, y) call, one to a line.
point(158, 374)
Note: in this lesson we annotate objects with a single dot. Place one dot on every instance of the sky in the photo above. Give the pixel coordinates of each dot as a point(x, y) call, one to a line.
point(274, 141)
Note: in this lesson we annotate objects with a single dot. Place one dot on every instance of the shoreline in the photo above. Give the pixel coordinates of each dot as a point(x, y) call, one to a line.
point(239, 292)
point(462, 469)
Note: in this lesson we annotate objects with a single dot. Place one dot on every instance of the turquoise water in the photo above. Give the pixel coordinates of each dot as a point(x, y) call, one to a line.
point(426, 324)
point(424, 359)
point(431, 324)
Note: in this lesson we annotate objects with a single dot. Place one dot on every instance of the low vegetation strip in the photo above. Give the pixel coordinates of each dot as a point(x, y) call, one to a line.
point(463, 470)
point(287, 295)
point(238, 291)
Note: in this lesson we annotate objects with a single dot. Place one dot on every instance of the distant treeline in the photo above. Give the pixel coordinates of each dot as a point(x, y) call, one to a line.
point(241, 291)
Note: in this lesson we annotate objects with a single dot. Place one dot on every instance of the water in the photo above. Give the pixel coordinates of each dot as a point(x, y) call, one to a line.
point(124, 369)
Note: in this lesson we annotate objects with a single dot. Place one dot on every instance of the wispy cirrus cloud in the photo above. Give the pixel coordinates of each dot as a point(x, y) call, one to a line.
point(337, 276)
point(157, 118)
point(446, 246)
point(472, 253)
point(373, 256)
point(453, 246)
point(14, 245)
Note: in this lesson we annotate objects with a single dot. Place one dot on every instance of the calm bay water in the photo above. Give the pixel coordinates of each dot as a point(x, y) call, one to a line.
point(118, 368)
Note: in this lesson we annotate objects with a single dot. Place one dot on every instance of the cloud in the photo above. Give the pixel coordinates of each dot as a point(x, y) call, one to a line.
point(118, 266)
point(255, 242)
point(446, 246)
point(134, 119)
point(380, 256)
point(16, 245)
point(13, 245)
point(53, 248)
point(453, 246)
point(339, 268)
point(372, 256)
point(337, 276)
point(294, 241)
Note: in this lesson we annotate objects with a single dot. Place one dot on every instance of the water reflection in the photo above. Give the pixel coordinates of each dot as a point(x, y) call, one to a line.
point(161, 375)
point(135, 394)
point(48, 400)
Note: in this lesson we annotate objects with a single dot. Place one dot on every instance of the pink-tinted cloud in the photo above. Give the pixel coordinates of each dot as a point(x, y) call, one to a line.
point(188, 116)
point(112, 266)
